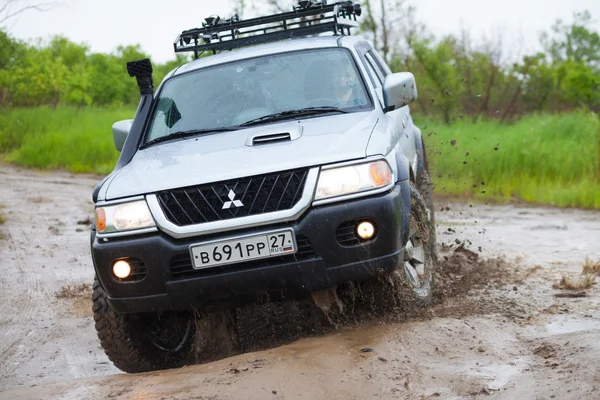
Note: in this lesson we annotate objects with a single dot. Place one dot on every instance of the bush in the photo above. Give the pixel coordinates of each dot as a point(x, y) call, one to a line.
point(551, 159)
point(71, 138)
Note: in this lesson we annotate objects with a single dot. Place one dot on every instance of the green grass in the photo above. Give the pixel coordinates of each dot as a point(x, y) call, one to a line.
point(550, 159)
point(70, 138)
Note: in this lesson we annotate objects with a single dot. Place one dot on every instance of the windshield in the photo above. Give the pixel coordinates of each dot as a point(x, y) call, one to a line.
point(231, 94)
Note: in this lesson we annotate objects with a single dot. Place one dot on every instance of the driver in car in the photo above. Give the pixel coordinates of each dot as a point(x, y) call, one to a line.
point(332, 84)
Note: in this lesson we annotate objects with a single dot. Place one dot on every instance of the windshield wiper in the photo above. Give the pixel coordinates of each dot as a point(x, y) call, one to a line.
point(293, 113)
point(184, 134)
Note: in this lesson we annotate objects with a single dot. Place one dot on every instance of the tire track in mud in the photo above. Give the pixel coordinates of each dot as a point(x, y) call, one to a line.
point(21, 305)
point(42, 247)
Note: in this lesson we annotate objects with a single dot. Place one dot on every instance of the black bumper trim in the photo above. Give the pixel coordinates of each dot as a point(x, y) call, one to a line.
point(183, 295)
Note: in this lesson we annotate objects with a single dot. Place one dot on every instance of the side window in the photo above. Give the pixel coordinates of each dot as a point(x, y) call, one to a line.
point(375, 76)
point(375, 67)
point(381, 63)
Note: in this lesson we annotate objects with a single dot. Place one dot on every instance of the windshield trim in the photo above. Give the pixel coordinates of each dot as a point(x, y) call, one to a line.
point(370, 106)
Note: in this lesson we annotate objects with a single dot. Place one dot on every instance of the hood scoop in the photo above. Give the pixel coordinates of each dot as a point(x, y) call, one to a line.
point(268, 139)
point(265, 137)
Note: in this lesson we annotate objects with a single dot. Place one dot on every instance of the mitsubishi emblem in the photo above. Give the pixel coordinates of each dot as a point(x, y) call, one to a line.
point(235, 203)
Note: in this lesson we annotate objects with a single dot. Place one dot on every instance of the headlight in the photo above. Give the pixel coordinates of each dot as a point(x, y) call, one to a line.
point(124, 217)
point(351, 179)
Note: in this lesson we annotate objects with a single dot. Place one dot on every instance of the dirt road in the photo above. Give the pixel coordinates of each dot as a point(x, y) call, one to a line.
point(498, 328)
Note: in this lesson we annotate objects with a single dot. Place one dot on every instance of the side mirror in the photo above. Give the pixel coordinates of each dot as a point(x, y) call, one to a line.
point(120, 131)
point(399, 90)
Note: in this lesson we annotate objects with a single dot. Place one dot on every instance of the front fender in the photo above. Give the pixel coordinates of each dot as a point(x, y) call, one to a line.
point(403, 167)
point(420, 151)
point(403, 172)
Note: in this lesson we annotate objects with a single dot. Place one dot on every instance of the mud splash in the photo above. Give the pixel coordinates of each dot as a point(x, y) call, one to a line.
point(79, 298)
point(83, 290)
point(378, 302)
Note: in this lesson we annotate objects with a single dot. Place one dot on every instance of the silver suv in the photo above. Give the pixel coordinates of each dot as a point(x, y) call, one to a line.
point(274, 170)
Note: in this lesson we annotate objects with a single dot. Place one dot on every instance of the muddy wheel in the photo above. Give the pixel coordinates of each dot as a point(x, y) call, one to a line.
point(143, 342)
point(419, 253)
point(411, 283)
point(425, 186)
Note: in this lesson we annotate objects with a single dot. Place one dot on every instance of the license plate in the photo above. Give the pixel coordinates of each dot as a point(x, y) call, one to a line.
point(246, 248)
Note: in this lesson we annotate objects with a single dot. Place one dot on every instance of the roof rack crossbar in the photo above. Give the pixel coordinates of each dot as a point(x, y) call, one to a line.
point(309, 18)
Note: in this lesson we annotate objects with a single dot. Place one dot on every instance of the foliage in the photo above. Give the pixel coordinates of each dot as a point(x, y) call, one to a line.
point(62, 72)
point(576, 42)
point(457, 79)
point(66, 137)
point(552, 159)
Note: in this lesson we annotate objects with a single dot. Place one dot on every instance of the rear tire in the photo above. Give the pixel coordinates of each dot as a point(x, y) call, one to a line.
point(144, 341)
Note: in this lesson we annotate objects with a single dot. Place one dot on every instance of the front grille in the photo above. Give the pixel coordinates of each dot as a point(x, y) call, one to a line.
point(181, 265)
point(138, 271)
point(233, 198)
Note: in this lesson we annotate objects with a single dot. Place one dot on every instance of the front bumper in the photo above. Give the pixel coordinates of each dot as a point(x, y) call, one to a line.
point(321, 262)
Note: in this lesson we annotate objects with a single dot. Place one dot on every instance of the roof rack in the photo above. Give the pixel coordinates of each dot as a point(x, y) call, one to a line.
point(308, 18)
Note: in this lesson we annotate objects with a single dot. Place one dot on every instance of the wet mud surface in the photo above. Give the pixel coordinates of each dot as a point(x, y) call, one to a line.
point(497, 328)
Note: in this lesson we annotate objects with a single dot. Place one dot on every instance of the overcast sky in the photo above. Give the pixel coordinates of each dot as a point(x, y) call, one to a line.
point(105, 24)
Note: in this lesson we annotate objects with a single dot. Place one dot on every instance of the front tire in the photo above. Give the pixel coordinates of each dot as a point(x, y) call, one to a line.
point(424, 184)
point(145, 341)
point(419, 251)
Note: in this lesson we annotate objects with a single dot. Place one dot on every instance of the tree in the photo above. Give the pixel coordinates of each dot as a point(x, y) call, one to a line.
point(577, 42)
point(10, 9)
point(10, 50)
point(390, 25)
point(239, 7)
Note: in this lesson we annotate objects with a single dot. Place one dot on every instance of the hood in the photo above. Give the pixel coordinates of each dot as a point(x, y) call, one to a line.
point(227, 155)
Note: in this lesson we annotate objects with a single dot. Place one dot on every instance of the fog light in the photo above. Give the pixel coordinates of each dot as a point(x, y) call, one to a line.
point(365, 230)
point(122, 269)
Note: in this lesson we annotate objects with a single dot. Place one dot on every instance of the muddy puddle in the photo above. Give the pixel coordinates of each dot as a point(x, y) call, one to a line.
point(497, 328)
